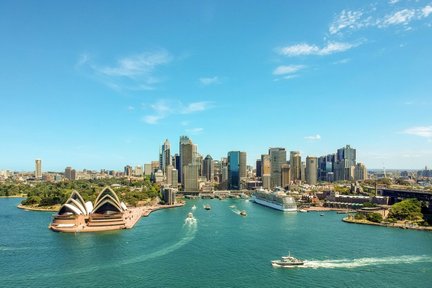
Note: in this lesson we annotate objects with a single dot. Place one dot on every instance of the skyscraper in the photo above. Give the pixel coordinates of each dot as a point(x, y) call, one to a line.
point(360, 172)
point(286, 175)
point(345, 163)
point(258, 168)
point(190, 175)
point(277, 159)
point(311, 170)
point(295, 163)
point(165, 155)
point(265, 165)
point(208, 168)
point(38, 168)
point(234, 169)
point(242, 166)
point(186, 151)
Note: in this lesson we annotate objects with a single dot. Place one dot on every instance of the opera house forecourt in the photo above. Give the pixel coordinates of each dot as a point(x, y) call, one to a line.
point(107, 213)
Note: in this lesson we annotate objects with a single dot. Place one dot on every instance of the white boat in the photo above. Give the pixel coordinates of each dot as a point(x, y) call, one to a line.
point(190, 219)
point(193, 207)
point(278, 200)
point(287, 262)
point(303, 211)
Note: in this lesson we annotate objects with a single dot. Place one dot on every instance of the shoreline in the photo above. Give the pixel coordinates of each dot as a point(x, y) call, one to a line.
point(14, 196)
point(393, 225)
point(38, 209)
point(324, 209)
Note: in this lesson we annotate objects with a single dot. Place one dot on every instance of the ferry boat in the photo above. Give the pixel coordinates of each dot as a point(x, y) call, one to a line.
point(276, 199)
point(287, 262)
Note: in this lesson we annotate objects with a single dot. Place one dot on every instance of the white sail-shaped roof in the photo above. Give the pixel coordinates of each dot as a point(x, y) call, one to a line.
point(75, 204)
point(107, 201)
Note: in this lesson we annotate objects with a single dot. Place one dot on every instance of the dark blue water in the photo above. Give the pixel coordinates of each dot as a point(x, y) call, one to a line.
point(222, 250)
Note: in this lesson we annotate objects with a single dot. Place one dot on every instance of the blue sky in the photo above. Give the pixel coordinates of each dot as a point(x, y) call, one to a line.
point(101, 84)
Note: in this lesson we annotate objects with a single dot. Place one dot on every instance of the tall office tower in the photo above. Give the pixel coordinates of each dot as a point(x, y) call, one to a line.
point(217, 172)
point(303, 172)
point(177, 165)
point(295, 163)
point(311, 170)
point(186, 151)
point(242, 166)
point(258, 168)
point(38, 168)
point(347, 153)
point(360, 172)
point(325, 166)
point(208, 168)
point(234, 170)
point(155, 166)
point(147, 169)
point(138, 171)
point(67, 173)
point(198, 160)
point(266, 179)
point(277, 159)
point(286, 175)
point(165, 155)
point(73, 174)
point(128, 170)
point(345, 163)
point(168, 174)
point(190, 175)
point(265, 165)
point(174, 177)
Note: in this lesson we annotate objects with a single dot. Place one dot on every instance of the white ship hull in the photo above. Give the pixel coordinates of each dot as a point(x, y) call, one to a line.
point(273, 205)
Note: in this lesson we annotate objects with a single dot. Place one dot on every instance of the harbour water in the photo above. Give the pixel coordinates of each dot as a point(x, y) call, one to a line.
point(220, 249)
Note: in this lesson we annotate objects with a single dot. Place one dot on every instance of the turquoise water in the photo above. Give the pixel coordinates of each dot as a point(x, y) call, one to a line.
point(222, 250)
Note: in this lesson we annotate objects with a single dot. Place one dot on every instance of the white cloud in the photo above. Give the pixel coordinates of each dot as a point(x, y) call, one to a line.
point(421, 131)
point(194, 107)
point(304, 49)
point(163, 109)
point(287, 77)
point(289, 69)
point(195, 130)
point(391, 2)
point(83, 59)
point(132, 73)
point(130, 108)
point(342, 61)
point(347, 19)
point(426, 11)
point(356, 20)
point(316, 137)
point(135, 65)
point(402, 17)
point(152, 119)
point(209, 80)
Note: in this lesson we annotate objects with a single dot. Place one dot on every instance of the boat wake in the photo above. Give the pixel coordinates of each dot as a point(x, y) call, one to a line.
point(363, 262)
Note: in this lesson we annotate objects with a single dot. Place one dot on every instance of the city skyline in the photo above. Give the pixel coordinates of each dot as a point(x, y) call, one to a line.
point(107, 90)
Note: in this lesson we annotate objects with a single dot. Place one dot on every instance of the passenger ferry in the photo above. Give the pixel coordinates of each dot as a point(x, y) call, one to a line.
point(277, 199)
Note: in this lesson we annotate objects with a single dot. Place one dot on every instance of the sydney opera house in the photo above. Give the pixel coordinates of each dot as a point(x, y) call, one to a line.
point(107, 213)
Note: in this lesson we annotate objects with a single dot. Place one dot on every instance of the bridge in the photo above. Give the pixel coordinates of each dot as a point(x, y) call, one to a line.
point(399, 195)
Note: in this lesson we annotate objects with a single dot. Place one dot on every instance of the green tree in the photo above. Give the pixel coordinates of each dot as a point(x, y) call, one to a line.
point(374, 217)
point(408, 209)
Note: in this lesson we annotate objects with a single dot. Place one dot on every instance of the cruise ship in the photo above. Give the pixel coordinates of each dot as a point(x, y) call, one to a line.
point(276, 199)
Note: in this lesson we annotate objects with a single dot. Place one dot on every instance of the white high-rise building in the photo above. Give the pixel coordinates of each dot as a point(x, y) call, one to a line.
point(38, 168)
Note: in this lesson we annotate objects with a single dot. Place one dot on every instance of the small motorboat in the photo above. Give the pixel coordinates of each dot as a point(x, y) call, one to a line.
point(287, 262)
point(193, 207)
point(303, 211)
point(207, 207)
point(243, 213)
